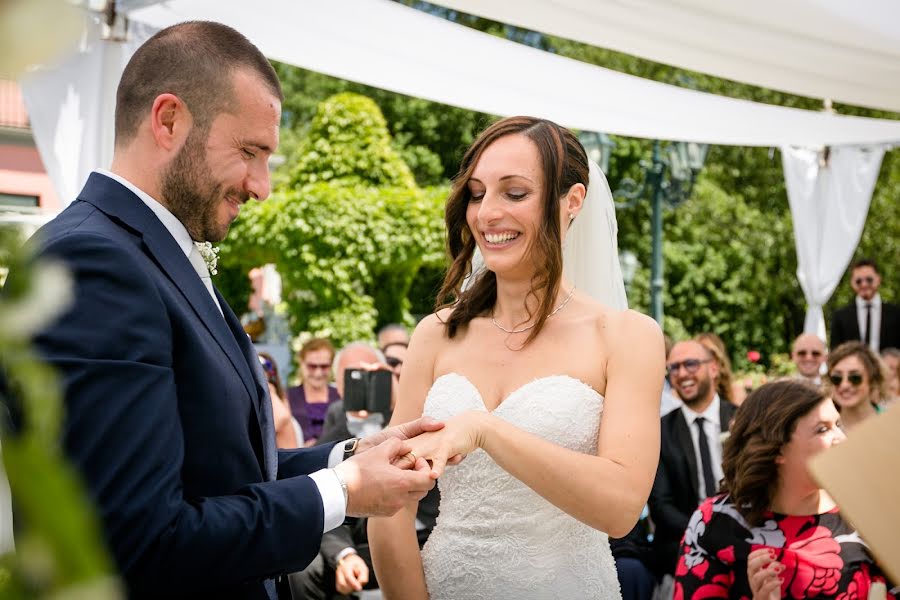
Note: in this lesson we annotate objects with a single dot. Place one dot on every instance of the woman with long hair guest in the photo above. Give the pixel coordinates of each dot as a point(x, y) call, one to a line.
point(725, 380)
point(856, 382)
point(309, 401)
point(774, 532)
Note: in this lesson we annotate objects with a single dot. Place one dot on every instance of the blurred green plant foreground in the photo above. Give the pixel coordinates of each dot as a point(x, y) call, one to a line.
point(59, 550)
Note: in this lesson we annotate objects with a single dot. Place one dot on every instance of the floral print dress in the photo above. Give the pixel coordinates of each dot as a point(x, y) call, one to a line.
point(823, 556)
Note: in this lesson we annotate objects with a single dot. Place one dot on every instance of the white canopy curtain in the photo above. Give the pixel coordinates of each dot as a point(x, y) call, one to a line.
point(71, 106)
point(846, 51)
point(829, 194)
point(393, 47)
point(388, 45)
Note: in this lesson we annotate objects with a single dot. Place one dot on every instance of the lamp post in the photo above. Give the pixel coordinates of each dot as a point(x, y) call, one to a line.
point(667, 179)
point(598, 146)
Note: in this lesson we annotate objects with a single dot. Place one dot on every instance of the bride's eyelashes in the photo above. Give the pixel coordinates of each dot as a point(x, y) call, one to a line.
point(516, 195)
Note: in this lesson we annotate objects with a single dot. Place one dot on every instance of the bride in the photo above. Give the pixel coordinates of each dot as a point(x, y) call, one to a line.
point(521, 366)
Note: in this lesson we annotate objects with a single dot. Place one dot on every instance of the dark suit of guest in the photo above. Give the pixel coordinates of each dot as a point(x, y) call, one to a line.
point(168, 418)
point(674, 496)
point(845, 326)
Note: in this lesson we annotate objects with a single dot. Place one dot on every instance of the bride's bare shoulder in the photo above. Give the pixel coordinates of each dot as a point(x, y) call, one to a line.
point(621, 325)
point(432, 330)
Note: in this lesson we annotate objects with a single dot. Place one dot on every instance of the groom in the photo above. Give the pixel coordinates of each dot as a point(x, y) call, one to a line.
point(167, 415)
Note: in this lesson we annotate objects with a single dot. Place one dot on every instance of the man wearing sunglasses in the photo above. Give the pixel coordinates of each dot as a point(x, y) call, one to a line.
point(690, 462)
point(868, 319)
point(809, 355)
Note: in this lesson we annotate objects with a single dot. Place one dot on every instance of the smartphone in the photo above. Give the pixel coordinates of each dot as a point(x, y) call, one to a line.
point(367, 390)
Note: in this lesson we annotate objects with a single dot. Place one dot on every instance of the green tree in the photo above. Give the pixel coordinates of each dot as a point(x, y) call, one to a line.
point(349, 144)
point(430, 136)
point(348, 233)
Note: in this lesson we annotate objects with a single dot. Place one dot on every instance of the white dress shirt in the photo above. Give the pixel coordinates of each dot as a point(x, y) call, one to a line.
point(875, 337)
point(712, 427)
point(325, 479)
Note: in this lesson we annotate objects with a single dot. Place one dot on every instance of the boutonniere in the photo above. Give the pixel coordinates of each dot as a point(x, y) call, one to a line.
point(210, 256)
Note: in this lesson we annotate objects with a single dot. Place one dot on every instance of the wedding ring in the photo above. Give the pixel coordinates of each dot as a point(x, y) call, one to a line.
point(414, 457)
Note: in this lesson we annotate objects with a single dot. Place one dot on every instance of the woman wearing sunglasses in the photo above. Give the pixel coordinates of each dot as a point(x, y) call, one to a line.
point(856, 382)
point(310, 400)
point(774, 533)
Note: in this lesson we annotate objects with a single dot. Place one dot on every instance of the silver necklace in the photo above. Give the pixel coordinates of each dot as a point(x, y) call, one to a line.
point(558, 308)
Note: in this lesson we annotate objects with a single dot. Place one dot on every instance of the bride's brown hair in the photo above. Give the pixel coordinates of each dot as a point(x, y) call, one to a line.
point(564, 163)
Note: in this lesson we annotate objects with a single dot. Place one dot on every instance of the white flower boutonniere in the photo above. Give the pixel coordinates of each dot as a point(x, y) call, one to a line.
point(210, 256)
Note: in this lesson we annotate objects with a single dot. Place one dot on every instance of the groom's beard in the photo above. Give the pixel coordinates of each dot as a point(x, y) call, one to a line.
point(191, 193)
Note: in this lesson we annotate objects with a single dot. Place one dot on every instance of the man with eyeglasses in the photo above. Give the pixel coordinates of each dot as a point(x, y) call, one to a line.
point(690, 462)
point(869, 319)
point(809, 355)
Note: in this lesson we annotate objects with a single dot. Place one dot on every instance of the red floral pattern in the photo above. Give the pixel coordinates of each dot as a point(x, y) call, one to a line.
point(713, 562)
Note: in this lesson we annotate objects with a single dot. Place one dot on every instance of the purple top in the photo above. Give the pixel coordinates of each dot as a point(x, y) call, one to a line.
point(310, 415)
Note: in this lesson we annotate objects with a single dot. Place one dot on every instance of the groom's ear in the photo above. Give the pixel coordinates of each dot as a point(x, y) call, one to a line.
point(574, 199)
point(170, 122)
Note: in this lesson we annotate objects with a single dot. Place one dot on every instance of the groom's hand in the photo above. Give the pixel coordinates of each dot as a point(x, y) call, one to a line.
point(377, 487)
point(401, 432)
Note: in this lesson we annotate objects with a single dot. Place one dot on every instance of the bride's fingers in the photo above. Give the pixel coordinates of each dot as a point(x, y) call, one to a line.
point(438, 463)
point(455, 460)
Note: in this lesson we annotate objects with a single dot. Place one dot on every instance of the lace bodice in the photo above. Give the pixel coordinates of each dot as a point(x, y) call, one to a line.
point(497, 538)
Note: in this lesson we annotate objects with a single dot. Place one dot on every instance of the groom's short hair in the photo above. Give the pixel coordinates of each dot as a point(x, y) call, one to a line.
point(194, 61)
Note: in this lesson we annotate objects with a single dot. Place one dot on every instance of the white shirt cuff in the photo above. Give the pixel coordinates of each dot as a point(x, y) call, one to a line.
point(336, 456)
point(332, 497)
point(345, 552)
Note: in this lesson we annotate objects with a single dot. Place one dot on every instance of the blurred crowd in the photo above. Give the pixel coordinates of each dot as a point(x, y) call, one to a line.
point(733, 511)
point(314, 412)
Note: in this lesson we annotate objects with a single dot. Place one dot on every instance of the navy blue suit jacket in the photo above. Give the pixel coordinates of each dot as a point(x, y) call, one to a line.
point(167, 418)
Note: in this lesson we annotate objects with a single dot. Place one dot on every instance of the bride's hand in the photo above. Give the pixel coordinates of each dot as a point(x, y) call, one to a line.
point(460, 436)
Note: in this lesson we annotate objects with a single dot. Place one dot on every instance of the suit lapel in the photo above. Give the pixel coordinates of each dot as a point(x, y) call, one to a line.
point(264, 406)
point(853, 322)
point(686, 443)
point(121, 204)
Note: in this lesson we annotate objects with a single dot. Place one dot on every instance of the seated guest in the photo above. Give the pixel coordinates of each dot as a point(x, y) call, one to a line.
point(344, 564)
point(774, 533)
point(394, 355)
point(690, 458)
point(808, 355)
point(856, 382)
point(310, 400)
point(633, 555)
point(392, 333)
point(287, 430)
point(891, 360)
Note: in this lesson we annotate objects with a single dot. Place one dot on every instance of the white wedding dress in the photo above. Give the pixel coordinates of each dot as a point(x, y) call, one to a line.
point(497, 538)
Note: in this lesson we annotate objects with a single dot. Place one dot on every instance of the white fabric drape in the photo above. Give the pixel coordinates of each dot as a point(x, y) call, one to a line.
point(369, 41)
point(387, 45)
point(72, 105)
point(829, 204)
point(846, 51)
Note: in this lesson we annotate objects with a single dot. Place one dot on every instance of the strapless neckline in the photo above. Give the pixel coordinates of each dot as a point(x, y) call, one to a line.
point(519, 390)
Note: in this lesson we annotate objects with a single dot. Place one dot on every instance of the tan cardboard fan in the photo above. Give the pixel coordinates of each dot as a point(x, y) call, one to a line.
point(863, 476)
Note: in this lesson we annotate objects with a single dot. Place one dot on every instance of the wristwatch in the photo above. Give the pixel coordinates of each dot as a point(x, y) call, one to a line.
point(350, 447)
